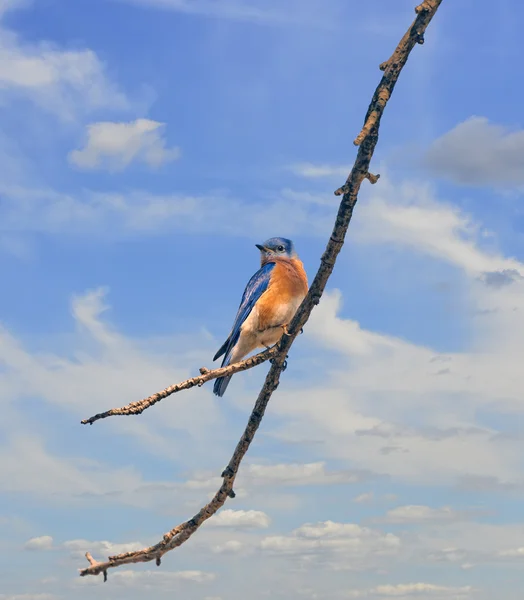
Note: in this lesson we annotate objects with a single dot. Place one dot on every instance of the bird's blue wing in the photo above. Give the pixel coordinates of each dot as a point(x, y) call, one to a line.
point(256, 286)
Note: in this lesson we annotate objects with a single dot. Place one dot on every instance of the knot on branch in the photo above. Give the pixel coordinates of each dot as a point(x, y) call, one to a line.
point(424, 7)
point(342, 190)
point(227, 472)
point(372, 178)
point(315, 299)
point(203, 371)
point(231, 494)
point(420, 38)
point(158, 561)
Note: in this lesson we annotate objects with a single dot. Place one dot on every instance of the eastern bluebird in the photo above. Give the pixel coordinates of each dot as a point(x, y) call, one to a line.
point(271, 299)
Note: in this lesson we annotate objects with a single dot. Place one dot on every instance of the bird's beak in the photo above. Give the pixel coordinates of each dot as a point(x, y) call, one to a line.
point(261, 248)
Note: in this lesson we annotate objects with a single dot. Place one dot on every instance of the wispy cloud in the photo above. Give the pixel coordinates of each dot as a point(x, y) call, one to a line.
point(340, 545)
point(240, 519)
point(64, 82)
point(314, 171)
point(410, 590)
point(426, 514)
point(262, 12)
point(114, 146)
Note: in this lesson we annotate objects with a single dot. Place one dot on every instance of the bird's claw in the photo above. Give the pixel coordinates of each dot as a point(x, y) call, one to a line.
point(284, 329)
point(284, 364)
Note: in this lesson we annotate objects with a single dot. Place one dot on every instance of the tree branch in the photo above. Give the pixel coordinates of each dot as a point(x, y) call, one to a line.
point(135, 408)
point(367, 140)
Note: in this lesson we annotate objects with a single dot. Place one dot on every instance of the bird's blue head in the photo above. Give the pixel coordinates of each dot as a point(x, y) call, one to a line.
point(276, 247)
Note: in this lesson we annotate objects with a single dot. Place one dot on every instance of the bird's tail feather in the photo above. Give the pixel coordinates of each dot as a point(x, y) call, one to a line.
point(221, 384)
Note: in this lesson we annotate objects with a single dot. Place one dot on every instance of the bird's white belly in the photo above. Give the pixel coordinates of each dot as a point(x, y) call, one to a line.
point(282, 315)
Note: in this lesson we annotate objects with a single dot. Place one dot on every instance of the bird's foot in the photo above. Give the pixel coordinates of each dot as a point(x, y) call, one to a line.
point(285, 329)
point(284, 364)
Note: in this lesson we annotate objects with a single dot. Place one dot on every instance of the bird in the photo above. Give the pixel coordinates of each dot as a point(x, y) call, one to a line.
point(269, 302)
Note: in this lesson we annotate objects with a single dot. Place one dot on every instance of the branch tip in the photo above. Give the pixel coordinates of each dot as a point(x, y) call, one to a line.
point(91, 560)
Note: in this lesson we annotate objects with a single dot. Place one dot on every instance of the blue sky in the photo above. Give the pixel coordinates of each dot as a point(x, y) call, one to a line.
point(145, 147)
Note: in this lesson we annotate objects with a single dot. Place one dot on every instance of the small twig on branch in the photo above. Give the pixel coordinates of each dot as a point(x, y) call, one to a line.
point(135, 408)
point(95, 563)
point(367, 140)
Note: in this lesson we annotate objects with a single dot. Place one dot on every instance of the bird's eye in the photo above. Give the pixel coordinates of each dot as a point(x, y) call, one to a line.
point(280, 248)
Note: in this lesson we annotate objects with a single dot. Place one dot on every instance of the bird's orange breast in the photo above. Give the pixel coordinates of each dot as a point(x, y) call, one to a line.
point(287, 288)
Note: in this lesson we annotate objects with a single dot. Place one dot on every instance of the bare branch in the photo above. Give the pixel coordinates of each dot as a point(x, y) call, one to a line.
point(392, 67)
point(135, 408)
point(368, 140)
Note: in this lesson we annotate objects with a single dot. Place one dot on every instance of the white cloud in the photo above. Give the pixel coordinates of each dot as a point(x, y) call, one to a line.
point(6, 5)
point(339, 545)
point(242, 519)
point(114, 146)
point(160, 579)
point(418, 590)
point(424, 514)
point(366, 498)
point(513, 553)
point(229, 547)
point(35, 471)
point(410, 215)
point(44, 542)
point(313, 171)
point(114, 215)
point(299, 474)
point(282, 474)
point(82, 384)
point(369, 413)
point(407, 216)
point(78, 548)
point(65, 82)
point(477, 152)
